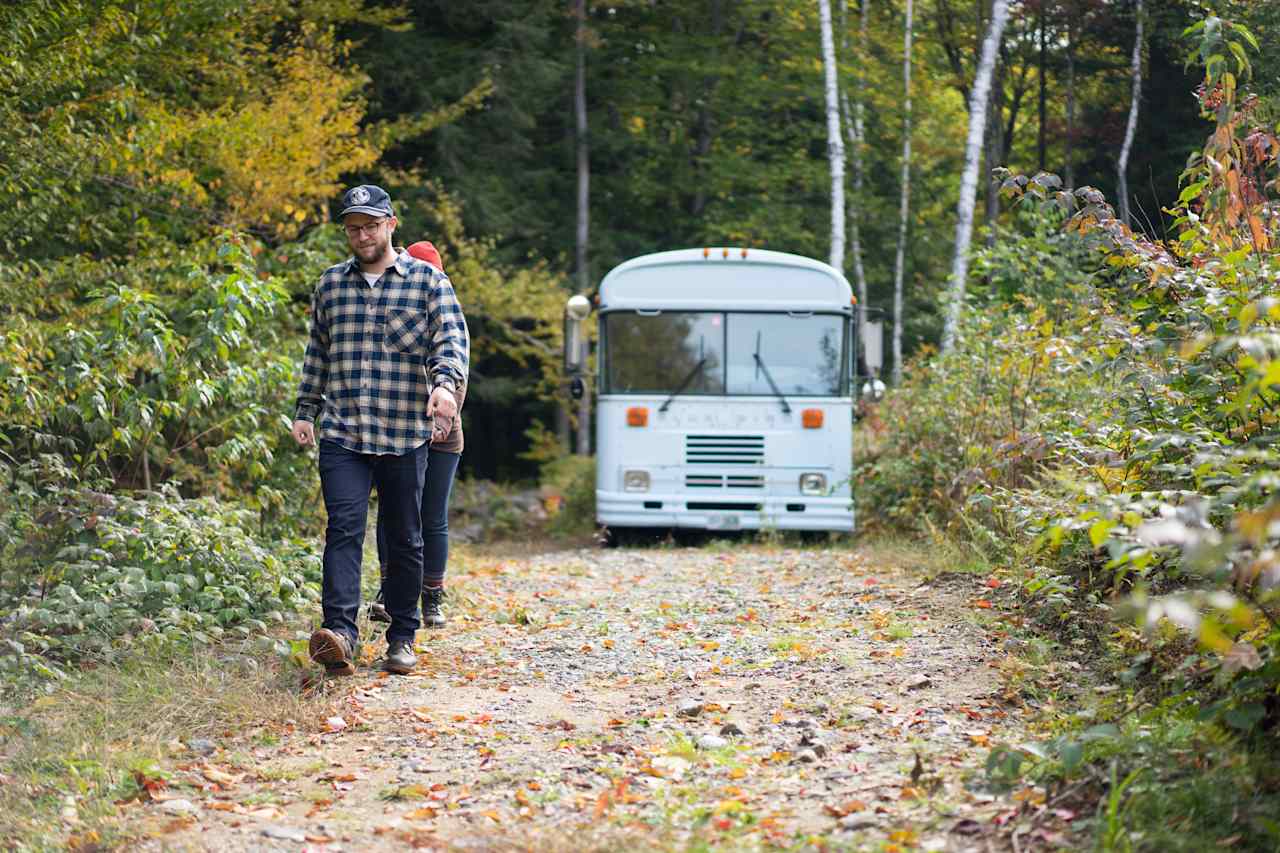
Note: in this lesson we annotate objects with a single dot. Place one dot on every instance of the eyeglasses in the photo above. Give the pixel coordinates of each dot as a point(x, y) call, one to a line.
point(369, 228)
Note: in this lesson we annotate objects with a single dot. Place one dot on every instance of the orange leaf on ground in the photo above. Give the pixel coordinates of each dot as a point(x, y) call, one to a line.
point(845, 808)
point(424, 813)
point(982, 604)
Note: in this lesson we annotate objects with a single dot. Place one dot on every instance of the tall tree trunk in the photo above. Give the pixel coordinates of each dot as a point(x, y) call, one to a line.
point(905, 202)
point(855, 142)
point(835, 143)
point(993, 154)
point(1122, 167)
point(1070, 168)
point(584, 197)
point(1042, 143)
point(969, 180)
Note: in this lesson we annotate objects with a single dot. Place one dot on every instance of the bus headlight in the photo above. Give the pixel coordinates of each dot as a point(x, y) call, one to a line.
point(635, 481)
point(812, 483)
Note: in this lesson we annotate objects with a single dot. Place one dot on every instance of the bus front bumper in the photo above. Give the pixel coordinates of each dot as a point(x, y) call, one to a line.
point(725, 512)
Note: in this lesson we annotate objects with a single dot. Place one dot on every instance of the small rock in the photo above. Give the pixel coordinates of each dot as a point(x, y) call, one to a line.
point(858, 820)
point(201, 745)
point(862, 712)
point(807, 756)
point(284, 833)
point(731, 729)
point(712, 742)
point(915, 682)
point(671, 766)
point(692, 708)
point(178, 807)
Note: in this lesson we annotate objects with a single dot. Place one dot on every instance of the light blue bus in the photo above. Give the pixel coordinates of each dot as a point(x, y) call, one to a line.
point(726, 388)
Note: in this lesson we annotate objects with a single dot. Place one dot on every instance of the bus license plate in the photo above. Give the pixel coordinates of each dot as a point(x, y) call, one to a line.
point(724, 522)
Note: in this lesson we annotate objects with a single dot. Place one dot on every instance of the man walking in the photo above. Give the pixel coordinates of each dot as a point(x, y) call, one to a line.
point(388, 348)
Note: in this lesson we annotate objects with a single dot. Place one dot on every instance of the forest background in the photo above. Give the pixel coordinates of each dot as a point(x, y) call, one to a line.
point(168, 175)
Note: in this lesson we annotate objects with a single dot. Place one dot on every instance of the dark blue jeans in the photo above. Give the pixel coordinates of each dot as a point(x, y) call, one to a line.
point(441, 467)
point(346, 478)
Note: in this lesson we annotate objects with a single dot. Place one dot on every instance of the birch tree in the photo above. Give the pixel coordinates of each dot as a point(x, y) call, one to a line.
point(905, 201)
point(1135, 71)
point(1069, 171)
point(979, 98)
point(855, 142)
point(835, 143)
point(584, 196)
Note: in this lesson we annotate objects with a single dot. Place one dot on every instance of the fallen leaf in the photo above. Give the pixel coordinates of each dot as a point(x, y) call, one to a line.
point(845, 808)
point(213, 774)
point(424, 813)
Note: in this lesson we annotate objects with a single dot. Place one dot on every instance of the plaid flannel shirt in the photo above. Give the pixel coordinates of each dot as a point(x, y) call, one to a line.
point(375, 354)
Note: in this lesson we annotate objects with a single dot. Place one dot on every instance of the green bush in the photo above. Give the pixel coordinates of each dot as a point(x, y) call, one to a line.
point(573, 480)
point(87, 576)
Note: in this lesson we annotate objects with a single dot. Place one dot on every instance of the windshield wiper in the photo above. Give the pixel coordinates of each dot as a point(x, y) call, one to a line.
point(684, 383)
point(760, 365)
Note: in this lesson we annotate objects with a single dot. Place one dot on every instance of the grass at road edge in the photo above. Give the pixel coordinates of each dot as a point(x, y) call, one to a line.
point(67, 757)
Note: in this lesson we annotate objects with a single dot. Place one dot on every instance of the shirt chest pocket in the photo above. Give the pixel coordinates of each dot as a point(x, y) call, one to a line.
point(405, 330)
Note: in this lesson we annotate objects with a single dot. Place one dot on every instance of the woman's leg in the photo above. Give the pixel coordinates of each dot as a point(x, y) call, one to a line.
point(435, 533)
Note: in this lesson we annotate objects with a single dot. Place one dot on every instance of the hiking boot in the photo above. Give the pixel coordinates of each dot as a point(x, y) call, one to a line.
point(378, 609)
point(432, 617)
point(332, 651)
point(400, 658)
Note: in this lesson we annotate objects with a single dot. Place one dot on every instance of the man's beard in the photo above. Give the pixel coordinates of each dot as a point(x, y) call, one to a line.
point(377, 251)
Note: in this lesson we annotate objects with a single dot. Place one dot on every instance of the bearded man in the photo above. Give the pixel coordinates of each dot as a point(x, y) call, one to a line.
point(387, 351)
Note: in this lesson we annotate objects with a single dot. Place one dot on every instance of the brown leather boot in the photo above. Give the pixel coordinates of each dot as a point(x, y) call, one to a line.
point(432, 617)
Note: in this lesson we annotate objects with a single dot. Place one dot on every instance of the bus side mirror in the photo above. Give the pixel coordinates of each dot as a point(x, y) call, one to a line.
point(873, 346)
point(576, 311)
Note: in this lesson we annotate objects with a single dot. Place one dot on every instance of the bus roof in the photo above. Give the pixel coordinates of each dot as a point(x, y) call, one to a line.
point(725, 278)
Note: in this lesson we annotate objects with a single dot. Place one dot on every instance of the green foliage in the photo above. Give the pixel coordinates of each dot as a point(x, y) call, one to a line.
point(573, 480)
point(1152, 495)
point(88, 576)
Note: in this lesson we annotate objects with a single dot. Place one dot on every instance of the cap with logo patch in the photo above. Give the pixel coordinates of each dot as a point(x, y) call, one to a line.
point(366, 198)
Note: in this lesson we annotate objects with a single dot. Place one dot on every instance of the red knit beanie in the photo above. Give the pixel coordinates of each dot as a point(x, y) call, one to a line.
point(424, 251)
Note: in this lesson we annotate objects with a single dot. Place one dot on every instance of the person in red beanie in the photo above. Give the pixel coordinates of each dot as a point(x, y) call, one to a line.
point(442, 463)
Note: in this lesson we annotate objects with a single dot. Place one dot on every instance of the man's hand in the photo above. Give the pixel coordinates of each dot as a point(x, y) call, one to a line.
point(442, 403)
point(304, 432)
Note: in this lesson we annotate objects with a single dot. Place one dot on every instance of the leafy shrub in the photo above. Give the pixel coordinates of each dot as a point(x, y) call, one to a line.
point(88, 575)
point(571, 479)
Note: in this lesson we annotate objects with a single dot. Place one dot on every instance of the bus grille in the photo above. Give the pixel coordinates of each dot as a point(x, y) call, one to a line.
point(720, 481)
point(724, 449)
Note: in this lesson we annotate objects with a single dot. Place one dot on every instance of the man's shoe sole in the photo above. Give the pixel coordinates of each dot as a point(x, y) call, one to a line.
point(398, 668)
point(326, 648)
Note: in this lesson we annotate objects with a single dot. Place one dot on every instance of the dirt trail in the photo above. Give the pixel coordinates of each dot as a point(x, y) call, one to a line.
point(724, 698)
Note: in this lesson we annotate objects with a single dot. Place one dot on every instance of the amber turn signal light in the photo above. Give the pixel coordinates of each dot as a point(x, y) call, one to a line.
point(811, 418)
point(637, 416)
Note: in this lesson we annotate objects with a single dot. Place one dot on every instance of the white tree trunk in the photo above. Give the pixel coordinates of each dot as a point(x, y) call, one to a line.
point(584, 198)
point(1122, 167)
point(979, 98)
point(905, 203)
point(1070, 170)
point(855, 142)
point(835, 142)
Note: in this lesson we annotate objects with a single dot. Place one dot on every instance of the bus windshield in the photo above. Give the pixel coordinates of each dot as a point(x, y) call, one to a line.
point(738, 352)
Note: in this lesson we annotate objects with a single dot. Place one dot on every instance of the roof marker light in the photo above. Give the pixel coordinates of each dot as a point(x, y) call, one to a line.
point(744, 251)
point(724, 253)
point(706, 253)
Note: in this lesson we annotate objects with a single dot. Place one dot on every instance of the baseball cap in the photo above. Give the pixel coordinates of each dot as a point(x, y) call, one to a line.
point(366, 198)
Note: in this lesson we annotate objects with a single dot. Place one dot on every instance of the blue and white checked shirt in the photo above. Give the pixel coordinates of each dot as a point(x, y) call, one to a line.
point(375, 353)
